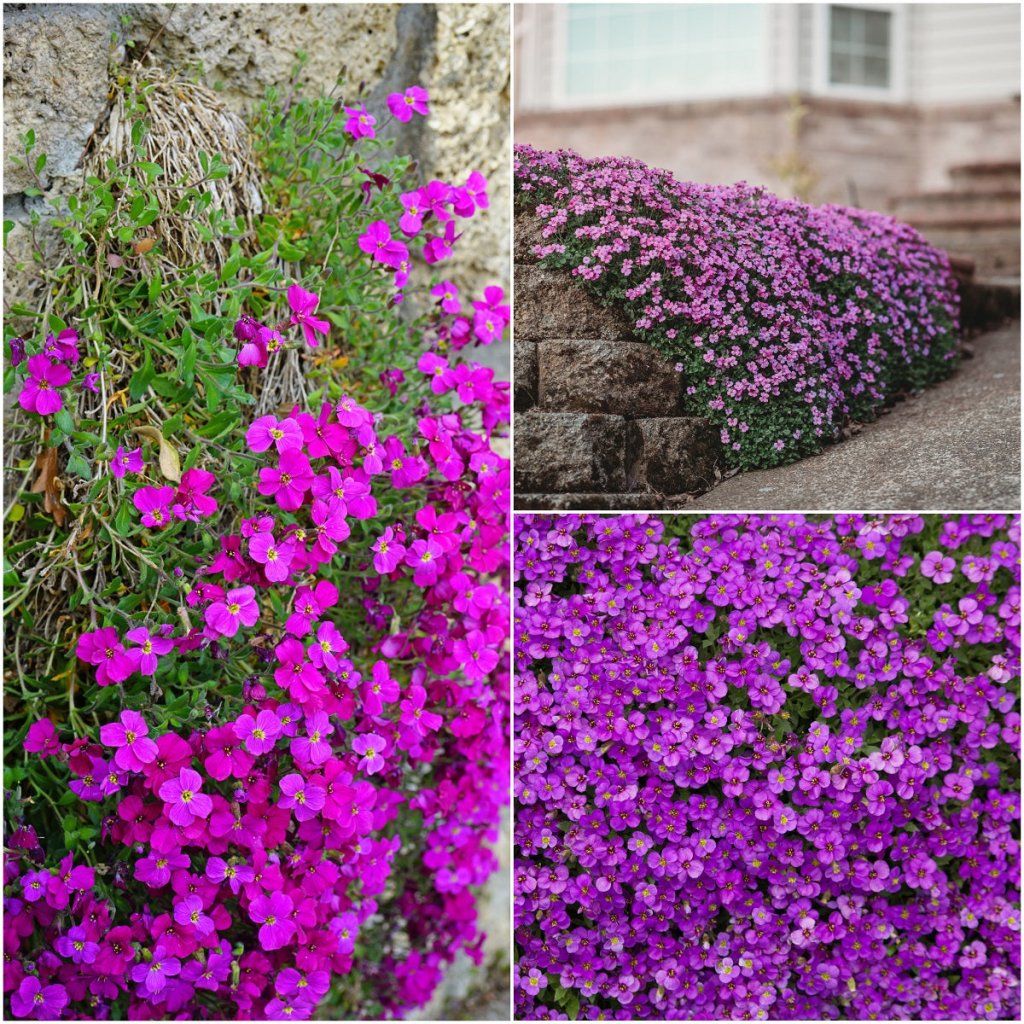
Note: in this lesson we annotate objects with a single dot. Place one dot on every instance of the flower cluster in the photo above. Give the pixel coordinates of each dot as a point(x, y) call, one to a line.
point(771, 773)
point(48, 371)
point(435, 203)
point(788, 320)
point(256, 850)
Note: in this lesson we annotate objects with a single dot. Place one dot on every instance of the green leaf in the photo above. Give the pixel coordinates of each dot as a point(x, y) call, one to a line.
point(64, 421)
point(78, 465)
point(155, 285)
point(142, 378)
point(123, 519)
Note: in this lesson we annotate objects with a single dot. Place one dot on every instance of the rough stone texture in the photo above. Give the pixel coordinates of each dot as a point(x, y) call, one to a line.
point(566, 452)
point(599, 502)
point(527, 234)
point(624, 378)
point(679, 455)
point(550, 304)
point(526, 391)
point(56, 81)
point(956, 446)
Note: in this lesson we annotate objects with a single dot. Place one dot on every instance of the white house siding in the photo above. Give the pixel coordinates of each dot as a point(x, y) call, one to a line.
point(963, 52)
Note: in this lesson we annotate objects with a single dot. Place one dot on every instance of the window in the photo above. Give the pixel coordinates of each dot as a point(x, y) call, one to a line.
point(635, 53)
point(860, 47)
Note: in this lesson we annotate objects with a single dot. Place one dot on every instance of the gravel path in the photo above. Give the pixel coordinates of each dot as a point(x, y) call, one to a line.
point(954, 447)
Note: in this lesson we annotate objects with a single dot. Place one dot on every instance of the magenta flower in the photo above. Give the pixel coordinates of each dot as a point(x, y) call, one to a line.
point(148, 650)
point(34, 999)
point(314, 748)
point(152, 976)
point(360, 123)
point(303, 306)
point(103, 648)
point(77, 947)
point(155, 504)
point(191, 913)
point(258, 734)
point(90, 382)
point(126, 462)
point(275, 558)
point(404, 104)
point(370, 747)
point(273, 913)
point(39, 393)
point(388, 552)
point(377, 242)
point(184, 798)
point(937, 567)
point(268, 430)
point(329, 645)
point(41, 739)
point(63, 347)
point(289, 481)
point(447, 295)
point(238, 608)
point(304, 796)
point(130, 736)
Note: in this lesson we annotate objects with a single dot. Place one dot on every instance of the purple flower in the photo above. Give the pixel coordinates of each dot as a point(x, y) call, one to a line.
point(76, 946)
point(33, 999)
point(130, 736)
point(39, 393)
point(183, 798)
point(126, 462)
point(153, 975)
point(273, 914)
point(259, 733)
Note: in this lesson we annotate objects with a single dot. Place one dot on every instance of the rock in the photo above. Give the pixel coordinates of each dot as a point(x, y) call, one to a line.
point(550, 304)
point(565, 452)
point(526, 234)
point(678, 456)
point(526, 391)
point(619, 377)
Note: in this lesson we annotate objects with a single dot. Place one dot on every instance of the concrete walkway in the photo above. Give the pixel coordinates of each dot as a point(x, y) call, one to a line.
point(954, 447)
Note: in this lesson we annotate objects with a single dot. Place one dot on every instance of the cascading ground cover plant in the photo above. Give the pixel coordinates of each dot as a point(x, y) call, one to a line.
point(788, 321)
point(768, 768)
point(262, 762)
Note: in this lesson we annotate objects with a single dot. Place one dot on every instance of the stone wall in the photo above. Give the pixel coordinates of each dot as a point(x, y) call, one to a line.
point(58, 59)
point(599, 421)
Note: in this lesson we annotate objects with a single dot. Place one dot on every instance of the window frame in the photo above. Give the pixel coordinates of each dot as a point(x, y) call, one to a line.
point(560, 98)
point(896, 90)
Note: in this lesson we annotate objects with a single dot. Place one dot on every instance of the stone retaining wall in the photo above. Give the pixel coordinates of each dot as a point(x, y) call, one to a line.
point(599, 415)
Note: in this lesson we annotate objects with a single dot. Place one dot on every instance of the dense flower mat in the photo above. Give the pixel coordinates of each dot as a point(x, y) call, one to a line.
point(769, 770)
point(788, 320)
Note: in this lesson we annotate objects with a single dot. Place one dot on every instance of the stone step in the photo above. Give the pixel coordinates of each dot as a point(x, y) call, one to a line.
point(994, 248)
point(561, 452)
point(924, 208)
point(550, 304)
point(992, 176)
point(987, 304)
point(526, 234)
point(622, 378)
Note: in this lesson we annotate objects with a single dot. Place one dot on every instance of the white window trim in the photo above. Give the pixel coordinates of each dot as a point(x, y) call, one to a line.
point(560, 100)
point(897, 90)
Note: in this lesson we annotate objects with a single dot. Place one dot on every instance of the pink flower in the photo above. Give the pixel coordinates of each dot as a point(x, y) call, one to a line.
point(42, 739)
point(313, 748)
point(377, 242)
point(273, 913)
point(937, 567)
point(152, 976)
point(360, 123)
point(303, 796)
point(404, 104)
point(39, 393)
point(146, 655)
point(103, 648)
point(275, 558)
point(130, 736)
point(447, 296)
point(415, 716)
point(126, 462)
point(191, 913)
point(239, 608)
point(63, 347)
point(289, 481)
point(191, 495)
point(328, 645)
point(268, 430)
point(259, 734)
point(380, 691)
point(185, 799)
point(412, 219)
point(370, 746)
point(155, 505)
point(304, 305)
point(389, 552)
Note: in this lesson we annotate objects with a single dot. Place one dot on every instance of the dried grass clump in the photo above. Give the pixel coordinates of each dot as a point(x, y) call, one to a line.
point(184, 119)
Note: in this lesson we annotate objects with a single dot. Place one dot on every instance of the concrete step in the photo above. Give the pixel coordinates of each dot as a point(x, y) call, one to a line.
point(951, 206)
point(985, 304)
point(992, 176)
